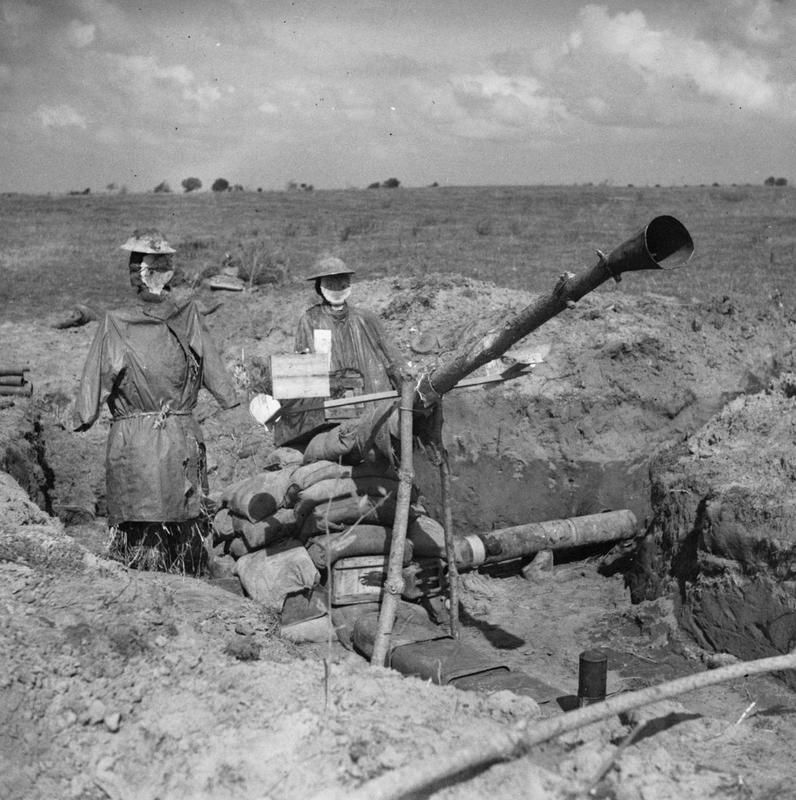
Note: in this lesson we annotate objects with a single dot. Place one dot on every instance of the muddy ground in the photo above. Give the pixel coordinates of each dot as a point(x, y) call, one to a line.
point(122, 684)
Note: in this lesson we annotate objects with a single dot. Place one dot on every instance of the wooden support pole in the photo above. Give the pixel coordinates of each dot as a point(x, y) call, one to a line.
point(395, 582)
point(447, 520)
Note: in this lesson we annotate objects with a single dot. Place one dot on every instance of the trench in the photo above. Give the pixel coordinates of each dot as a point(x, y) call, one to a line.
point(488, 493)
point(494, 493)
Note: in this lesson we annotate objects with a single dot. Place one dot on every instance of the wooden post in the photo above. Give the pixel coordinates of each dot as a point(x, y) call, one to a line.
point(447, 520)
point(395, 582)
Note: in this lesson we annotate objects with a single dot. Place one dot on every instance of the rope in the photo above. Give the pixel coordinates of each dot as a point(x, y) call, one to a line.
point(160, 416)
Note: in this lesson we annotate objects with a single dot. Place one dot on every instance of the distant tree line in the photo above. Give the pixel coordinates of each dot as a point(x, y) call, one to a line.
point(194, 184)
point(390, 183)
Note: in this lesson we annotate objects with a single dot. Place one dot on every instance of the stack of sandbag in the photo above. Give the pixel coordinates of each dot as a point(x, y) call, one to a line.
point(329, 511)
point(330, 497)
point(14, 381)
point(252, 513)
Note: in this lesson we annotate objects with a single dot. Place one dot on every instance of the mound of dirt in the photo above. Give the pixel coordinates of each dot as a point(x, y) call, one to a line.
point(725, 526)
point(133, 685)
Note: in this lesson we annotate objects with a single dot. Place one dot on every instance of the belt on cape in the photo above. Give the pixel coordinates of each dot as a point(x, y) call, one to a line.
point(160, 416)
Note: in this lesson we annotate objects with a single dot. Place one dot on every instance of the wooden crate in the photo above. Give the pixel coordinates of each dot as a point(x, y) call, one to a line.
point(300, 375)
point(358, 579)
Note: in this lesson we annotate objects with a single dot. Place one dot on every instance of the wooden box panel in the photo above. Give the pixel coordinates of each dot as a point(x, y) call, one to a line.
point(358, 579)
point(300, 375)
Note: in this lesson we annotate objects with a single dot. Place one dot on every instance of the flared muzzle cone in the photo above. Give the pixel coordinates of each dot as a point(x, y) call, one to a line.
point(663, 244)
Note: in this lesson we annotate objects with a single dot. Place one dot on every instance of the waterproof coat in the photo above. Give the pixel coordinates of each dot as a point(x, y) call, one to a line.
point(356, 340)
point(148, 364)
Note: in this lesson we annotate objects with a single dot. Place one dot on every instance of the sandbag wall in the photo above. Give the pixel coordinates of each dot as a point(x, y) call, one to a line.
point(329, 511)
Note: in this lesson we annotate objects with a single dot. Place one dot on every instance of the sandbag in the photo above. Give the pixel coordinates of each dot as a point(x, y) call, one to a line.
point(427, 536)
point(332, 444)
point(258, 497)
point(344, 512)
point(360, 540)
point(420, 648)
point(237, 547)
point(412, 624)
point(269, 577)
point(335, 488)
point(222, 526)
point(280, 525)
point(354, 439)
point(309, 474)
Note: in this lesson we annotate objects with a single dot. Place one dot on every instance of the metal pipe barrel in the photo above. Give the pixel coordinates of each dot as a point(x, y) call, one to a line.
point(524, 540)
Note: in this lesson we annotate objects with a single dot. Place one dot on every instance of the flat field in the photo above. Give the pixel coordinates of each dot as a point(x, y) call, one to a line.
point(134, 686)
point(56, 251)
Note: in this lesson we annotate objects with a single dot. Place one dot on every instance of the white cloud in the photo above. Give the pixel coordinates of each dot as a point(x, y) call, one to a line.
point(146, 70)
point(61, 116)
point(500, 106)
point(80, 34)
point(20, 17)
point(204, 96)
point(665, 60)
point(761, 25)
point(749, 22)
point(155, 82)
point(110, 20)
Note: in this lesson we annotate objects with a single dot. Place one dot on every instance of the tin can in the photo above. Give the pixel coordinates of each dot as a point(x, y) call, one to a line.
point(592, 676)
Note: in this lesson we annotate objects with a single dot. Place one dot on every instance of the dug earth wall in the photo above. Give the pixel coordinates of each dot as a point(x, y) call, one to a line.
point(723, 537)
point(630, 386)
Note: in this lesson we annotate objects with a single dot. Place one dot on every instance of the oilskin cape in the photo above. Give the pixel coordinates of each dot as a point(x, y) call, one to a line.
point(148, 363)
point(358, 341)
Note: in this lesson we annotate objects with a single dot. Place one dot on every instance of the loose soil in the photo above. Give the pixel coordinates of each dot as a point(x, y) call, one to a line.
point(120, 684)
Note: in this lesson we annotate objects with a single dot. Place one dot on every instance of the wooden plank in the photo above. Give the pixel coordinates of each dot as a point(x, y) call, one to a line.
point(300, 375)
point(514, 371)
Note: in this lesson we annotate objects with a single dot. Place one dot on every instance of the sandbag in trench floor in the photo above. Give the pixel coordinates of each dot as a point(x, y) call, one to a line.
point(426, 651)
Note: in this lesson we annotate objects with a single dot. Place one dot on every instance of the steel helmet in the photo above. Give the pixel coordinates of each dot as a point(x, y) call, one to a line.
point(329, 265)
point(148, 240)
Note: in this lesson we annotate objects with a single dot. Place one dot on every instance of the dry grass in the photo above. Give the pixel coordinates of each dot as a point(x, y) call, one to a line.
point(66, 249)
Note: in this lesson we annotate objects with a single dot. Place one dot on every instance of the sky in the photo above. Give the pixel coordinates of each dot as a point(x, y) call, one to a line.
point(130, 93)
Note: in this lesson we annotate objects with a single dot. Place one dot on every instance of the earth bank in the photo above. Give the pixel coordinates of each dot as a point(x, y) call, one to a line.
point(116, 714)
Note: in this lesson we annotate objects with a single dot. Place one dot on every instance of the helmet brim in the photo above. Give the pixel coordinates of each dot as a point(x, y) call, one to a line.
point(149, 245)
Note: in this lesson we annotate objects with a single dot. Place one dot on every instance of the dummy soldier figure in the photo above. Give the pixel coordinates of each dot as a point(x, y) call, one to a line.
point(362, 360)
point(147, 363)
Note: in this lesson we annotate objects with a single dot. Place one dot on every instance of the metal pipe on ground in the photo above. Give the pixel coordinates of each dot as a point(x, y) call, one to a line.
point(506, 544)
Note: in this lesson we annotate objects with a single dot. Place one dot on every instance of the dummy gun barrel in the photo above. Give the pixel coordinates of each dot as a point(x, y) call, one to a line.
point(505, 544)
point(662, 244)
